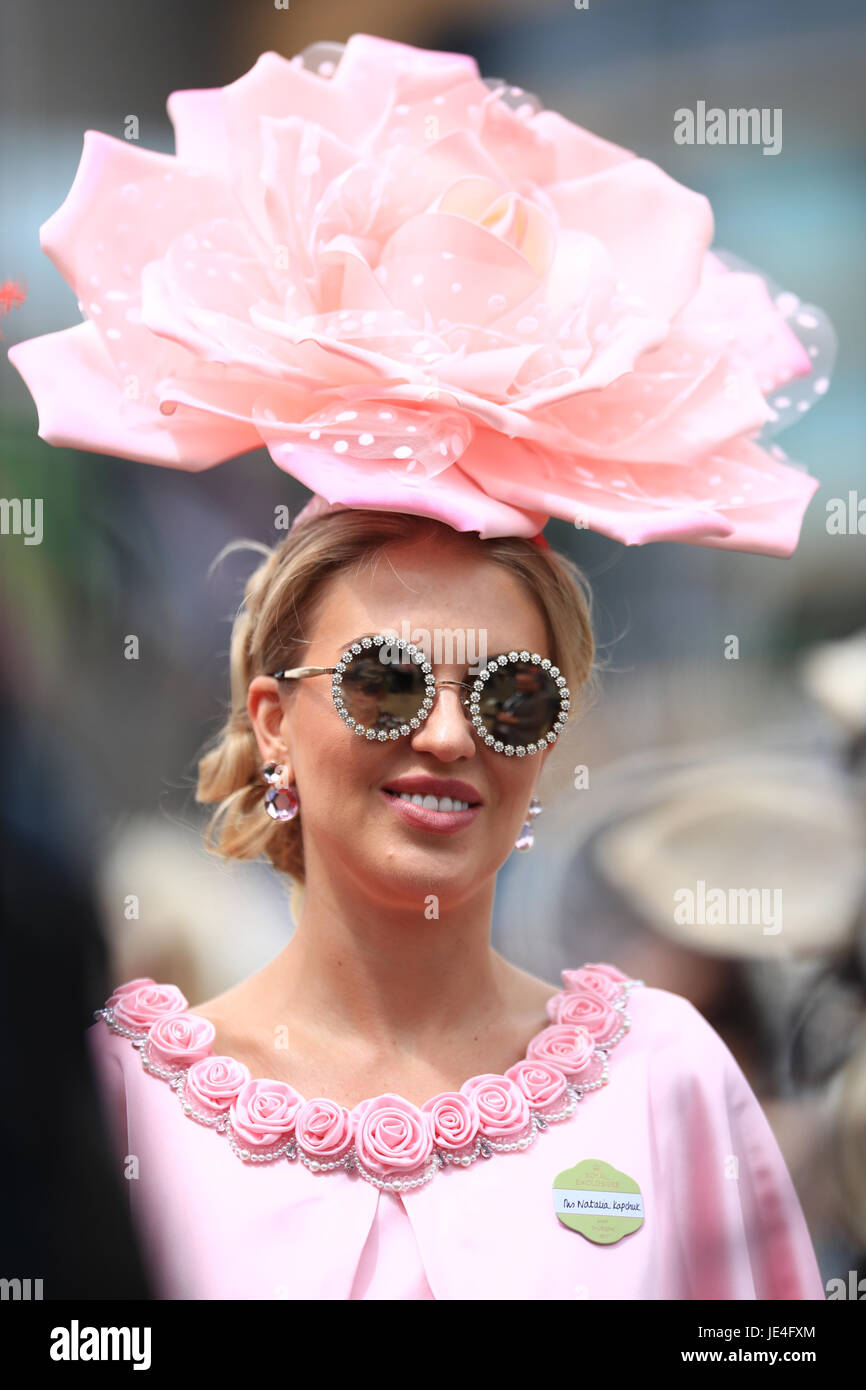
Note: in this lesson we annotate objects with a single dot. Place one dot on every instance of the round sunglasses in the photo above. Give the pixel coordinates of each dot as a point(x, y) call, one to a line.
point(518, 703)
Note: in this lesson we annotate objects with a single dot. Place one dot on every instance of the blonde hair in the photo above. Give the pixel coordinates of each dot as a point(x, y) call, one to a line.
point(269, 634)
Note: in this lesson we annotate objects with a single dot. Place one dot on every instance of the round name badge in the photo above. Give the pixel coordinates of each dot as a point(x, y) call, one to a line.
point(597, 1200)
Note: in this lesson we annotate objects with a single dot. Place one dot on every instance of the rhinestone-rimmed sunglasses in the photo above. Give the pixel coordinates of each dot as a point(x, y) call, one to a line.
point(518, 702)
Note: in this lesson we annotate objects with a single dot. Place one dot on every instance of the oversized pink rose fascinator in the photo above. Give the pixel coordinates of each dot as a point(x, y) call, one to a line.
point(423, 293)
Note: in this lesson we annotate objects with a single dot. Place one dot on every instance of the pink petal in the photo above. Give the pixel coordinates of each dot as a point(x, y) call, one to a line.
point(490, 275)
point(278, 88)
point(655, 230)
point(578, 151)
point(682, 400)
point(490, 374)
point(457, 155)
point(734, 309)
point(99, 239)
point(81, 404)
point(190, 298)
point(300, 165)
point(763, 498)
point(738, 496)
point(199, 127)
point(523, 152)
point(525, 476)
point(380, 64)
point(451, 496)
point(125, 206)
point(403, 442)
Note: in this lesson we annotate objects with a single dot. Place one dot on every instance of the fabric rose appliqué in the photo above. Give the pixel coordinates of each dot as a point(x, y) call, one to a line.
point(265, 1112)
point(214, 1084)
point(324, 1128)
point(595, 981)
point(128, 988)
point(140, 1007)
point(592, 1012)
point(567, 1046)
point(180, 1039)
point(502, 1107)
point(454, 1120)
point(542, 1084)
point(391, 1132)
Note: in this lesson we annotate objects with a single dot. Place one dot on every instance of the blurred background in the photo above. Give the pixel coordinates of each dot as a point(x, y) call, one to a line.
point(736, 772)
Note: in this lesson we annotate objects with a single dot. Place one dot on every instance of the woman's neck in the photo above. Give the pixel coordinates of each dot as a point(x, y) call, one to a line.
point(400, 969)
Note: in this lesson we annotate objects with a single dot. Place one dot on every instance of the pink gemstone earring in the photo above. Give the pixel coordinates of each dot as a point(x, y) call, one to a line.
point(526, 839)
point(281, 799)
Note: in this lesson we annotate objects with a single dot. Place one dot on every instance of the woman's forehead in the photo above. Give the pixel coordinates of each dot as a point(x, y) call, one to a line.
point(418, 592)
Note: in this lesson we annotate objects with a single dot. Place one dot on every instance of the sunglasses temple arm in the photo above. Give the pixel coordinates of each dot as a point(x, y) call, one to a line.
point(299, 672)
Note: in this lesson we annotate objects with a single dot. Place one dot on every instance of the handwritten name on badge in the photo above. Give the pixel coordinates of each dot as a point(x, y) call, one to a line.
point(597, 1200)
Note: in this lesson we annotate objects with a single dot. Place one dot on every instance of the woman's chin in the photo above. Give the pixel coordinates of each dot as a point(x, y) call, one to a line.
point(427, 879)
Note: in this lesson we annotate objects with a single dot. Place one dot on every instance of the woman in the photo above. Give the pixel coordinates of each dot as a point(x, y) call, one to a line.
point(388, 1032)
point(389, 1109)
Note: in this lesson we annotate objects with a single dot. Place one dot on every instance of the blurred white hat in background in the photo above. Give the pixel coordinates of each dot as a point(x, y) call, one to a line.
point(779, 840)
point(834, 674)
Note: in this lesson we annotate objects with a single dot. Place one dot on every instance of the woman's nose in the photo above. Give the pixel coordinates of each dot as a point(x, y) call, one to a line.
point(447, 730)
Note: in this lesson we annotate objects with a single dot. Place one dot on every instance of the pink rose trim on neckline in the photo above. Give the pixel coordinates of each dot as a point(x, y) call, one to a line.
point(391, 1132)
point(502, 1106)
point(603, 968)
point(454, 1120)
point(180, 1039)
point(599, 1018)
point(128, 988)
point(324, 1128)
point(421, 300)
point(567, 1046)
point(542, 1083)
point(214, 1083)
point(264, 1111)
point(144, 1005)
point(591, 981)
point(392, 1139)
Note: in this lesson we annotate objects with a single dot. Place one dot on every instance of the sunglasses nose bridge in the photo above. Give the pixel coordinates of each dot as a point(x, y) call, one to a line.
point(462, 692)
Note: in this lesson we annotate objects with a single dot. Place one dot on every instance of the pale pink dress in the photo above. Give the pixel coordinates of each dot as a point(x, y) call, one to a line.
point(668, 1105)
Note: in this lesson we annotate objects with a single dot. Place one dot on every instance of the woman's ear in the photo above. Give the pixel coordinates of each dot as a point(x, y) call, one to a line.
point(266, 710)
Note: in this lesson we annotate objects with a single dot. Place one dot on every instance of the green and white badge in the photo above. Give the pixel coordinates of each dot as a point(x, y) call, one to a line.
point(598, 1201)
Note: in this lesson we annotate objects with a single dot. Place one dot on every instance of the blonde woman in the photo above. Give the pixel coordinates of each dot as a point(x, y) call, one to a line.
point(381, 1111)
point(451, 315)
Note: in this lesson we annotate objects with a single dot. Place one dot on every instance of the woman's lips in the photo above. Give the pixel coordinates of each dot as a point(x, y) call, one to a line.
point(440, 822)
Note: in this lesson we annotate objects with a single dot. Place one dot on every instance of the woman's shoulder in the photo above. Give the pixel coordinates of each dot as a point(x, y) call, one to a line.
point(675, 1024)
point(112, 1060)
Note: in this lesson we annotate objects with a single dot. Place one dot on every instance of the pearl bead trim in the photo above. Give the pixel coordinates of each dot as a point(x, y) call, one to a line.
point(484, 1146)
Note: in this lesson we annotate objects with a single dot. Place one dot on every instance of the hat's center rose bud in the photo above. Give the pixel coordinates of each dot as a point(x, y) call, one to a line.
point(509, 216)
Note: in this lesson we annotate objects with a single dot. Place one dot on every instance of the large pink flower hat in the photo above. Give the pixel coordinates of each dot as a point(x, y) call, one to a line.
point(424, 293)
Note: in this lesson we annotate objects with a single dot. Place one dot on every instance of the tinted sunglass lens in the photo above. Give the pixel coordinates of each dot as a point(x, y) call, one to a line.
point(383, 695)
point(520, 703)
